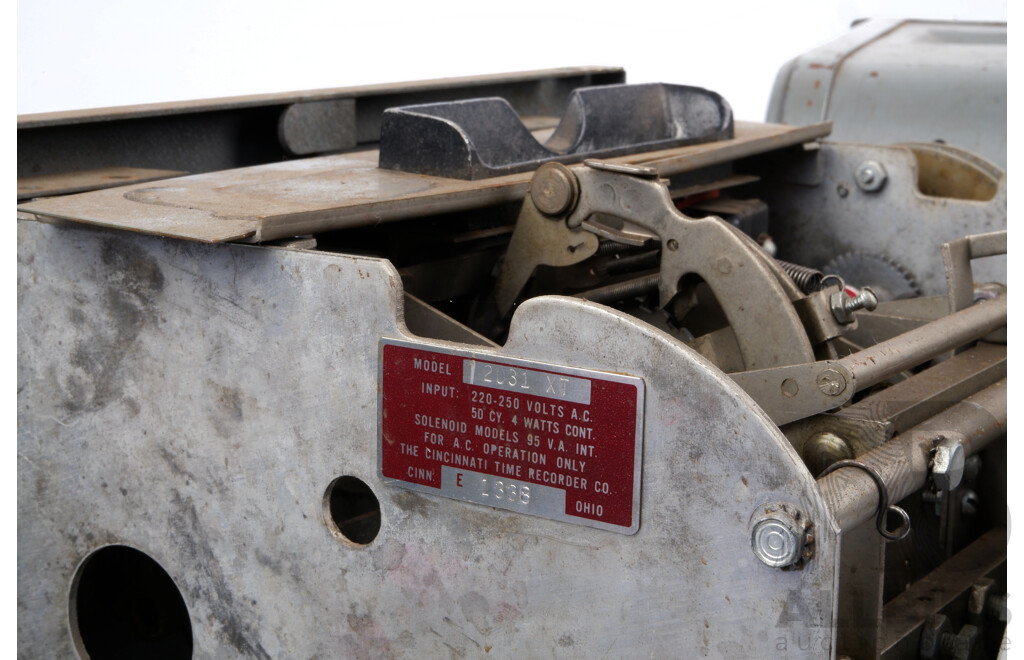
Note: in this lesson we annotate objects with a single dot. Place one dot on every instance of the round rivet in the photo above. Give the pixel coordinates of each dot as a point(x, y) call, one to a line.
point(776, 543)
point(554, 189)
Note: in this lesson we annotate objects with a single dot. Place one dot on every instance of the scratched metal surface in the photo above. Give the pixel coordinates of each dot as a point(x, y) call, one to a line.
point(76, 182)
point(195, 401)
point(296, 197)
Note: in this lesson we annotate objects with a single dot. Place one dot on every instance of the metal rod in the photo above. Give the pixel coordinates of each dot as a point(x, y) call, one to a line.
point(875, 364)
point(987, 245)
point(902, 462)
point(613, 292)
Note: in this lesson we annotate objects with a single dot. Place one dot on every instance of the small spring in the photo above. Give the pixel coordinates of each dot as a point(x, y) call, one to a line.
point(808, 279)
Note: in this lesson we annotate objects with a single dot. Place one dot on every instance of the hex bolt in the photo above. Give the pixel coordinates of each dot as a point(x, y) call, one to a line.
point(932, 632)
point(778, 539)
point(843, 306)
point(978, 599)
point(831, 382)
point(870, 176)
point(554, 189)
point(996, 607)
point(948, 463)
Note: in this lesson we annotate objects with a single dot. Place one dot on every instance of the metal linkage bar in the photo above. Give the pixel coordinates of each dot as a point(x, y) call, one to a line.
point(875, 364)
point(903, 462)
point(796, 391)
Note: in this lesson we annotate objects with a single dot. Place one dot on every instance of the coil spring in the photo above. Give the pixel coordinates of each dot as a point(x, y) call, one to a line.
point(808, 279)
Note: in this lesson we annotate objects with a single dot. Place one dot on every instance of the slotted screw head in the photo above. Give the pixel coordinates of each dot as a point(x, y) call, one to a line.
point(831, 382)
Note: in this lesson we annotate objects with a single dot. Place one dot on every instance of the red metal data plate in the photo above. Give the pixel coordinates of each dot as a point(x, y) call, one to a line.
point(541, 439)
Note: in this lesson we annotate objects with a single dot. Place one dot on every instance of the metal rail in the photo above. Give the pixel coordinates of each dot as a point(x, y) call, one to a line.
point(875, 364)
point(903, 462)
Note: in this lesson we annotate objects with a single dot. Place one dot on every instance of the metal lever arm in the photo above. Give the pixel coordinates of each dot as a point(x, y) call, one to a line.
point(768, 331)
point(538, 240)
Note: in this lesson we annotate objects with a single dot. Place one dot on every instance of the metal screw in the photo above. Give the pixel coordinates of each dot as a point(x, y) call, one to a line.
point(870, 176)
point(843, 306)
point(554, 189)
point(673, 244)
point(778, 539)
point(948, 463)
point(960, 645)
point(831, 382)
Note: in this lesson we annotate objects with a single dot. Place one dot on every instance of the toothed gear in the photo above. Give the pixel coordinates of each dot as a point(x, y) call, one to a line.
point(888, 279)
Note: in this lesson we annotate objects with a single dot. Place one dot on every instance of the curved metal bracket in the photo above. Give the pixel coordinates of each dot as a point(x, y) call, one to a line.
point(767, 328)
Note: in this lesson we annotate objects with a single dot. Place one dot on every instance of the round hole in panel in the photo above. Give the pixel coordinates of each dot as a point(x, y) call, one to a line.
point(352, 511)
point(123, 604)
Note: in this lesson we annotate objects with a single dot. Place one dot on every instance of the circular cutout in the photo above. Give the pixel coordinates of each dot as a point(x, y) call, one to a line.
point(352, 510)
point(123, 604)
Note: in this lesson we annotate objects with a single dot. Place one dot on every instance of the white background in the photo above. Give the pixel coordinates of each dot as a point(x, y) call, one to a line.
point(81, 54)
